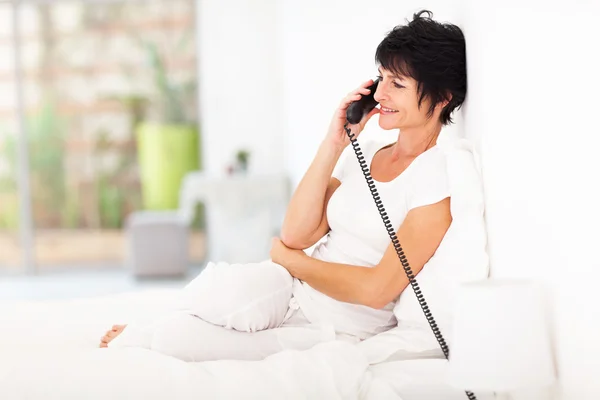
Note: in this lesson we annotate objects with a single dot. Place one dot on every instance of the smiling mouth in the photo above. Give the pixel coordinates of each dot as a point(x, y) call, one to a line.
point(386, 110)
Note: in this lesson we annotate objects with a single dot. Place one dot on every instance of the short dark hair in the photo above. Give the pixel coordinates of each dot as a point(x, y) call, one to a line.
point(433, 54)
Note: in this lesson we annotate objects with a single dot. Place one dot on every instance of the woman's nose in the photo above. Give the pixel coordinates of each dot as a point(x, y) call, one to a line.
point(379, 93)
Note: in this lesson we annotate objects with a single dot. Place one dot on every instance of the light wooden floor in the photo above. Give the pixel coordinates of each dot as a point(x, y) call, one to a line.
point(80, 249)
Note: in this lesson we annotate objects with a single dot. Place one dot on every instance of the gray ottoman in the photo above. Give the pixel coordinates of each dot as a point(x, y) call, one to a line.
point(157, 244)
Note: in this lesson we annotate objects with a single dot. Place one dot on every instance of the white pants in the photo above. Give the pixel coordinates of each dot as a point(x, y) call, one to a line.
point(231, 311)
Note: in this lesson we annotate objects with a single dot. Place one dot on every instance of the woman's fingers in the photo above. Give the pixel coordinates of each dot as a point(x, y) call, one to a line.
point(357, 93)
point(351, 98)
point(367, 83)
point(361, 91)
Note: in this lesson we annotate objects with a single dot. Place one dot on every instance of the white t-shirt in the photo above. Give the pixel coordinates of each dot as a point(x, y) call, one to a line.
point(358, 235)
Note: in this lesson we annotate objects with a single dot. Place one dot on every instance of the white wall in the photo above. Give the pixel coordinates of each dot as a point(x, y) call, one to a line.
point(531, 109)
point(240, 83)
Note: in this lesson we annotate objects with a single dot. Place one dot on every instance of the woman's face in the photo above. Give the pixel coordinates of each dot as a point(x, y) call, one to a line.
point(399, 102)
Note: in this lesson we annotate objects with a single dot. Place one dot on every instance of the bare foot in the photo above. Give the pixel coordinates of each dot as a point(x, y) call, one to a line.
point(111, 334)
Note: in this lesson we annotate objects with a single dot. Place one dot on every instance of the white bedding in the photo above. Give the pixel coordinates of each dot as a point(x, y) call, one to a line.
point(48, 350)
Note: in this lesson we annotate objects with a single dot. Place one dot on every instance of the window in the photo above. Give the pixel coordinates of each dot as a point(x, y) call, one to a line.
point(91, 73)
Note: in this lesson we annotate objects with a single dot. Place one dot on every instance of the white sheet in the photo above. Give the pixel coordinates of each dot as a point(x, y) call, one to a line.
point(48, 351)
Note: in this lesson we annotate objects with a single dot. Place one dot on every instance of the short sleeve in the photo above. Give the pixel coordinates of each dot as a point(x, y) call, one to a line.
point(340, 169)
point(430, 184)
point(348, 163)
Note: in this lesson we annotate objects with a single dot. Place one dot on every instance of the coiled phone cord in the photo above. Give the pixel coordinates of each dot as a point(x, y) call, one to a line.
point(390, 229)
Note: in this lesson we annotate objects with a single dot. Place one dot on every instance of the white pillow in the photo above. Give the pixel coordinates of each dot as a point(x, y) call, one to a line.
point(245, 297)
point(461, 257)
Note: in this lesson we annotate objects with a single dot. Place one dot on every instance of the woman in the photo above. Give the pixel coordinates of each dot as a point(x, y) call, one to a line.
point(347, 288)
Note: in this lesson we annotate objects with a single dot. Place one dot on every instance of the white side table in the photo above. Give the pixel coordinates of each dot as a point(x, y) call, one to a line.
point(243, 212)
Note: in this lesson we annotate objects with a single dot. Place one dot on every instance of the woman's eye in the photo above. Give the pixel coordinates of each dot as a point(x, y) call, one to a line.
point(397, 85)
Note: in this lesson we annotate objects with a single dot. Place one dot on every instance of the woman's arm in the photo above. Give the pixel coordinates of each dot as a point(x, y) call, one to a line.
point(305, 219)
point(419, 235)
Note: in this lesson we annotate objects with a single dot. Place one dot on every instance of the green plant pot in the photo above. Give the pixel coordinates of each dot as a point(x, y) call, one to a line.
point(165, 154)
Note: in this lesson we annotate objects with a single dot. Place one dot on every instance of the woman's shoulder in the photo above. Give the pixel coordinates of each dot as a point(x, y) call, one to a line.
point(429, 182)
point(430, 166)
point(367, 147)
point(433, 157)
point(372, 145)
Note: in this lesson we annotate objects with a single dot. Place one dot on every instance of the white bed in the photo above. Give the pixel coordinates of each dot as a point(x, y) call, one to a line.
point(48, 350)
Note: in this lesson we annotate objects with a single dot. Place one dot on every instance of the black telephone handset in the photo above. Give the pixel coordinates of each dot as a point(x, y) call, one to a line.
point(354, 114)
point(358, 109)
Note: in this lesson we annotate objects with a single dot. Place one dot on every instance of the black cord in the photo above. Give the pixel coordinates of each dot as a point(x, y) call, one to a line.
point(390, 229)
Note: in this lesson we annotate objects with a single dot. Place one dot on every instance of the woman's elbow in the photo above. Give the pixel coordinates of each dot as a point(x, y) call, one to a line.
point(291, 242)
point(382, 291)
point(375, 296)
point(377, 302)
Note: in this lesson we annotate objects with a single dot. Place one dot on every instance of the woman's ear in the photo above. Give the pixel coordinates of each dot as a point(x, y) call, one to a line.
point(445, 102)
point(448, 98)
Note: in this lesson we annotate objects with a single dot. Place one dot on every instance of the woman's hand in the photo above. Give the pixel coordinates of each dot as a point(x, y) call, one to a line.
point(284, 256)
point(336, 136)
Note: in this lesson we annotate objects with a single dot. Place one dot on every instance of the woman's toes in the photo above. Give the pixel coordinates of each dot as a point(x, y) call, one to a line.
point(111, 334)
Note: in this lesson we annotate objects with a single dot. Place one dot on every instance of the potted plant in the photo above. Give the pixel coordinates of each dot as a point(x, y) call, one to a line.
point(167, 139)
point(242, 158)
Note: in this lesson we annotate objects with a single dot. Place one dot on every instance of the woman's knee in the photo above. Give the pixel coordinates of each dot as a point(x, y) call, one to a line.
point(244, 297)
